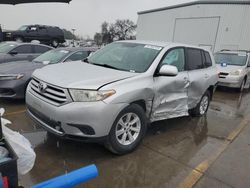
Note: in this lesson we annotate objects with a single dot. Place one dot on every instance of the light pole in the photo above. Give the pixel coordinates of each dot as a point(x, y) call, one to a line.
point(73, 30)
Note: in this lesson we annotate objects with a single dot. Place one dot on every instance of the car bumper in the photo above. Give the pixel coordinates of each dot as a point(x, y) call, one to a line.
point(80, 119)
point(231, 81)
point(13, 89)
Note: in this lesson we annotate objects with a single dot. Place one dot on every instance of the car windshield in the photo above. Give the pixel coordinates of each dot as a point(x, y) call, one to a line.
point(52, 57)
point(231, 59)
point(6, 47)
point(130, 57)
point(23, 28)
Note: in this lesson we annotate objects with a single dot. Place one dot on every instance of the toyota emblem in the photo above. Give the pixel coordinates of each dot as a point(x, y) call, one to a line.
point(42, 87)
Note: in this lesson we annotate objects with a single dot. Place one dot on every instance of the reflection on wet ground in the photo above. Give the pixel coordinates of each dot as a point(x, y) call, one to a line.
point(172, 152)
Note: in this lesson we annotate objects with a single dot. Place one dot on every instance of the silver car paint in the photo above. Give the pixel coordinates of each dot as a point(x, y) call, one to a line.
point(232, 80)
point(164, 97)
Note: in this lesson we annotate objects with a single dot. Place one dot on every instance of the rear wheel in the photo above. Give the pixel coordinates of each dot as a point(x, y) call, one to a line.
point(202, 106)
point(128, 130)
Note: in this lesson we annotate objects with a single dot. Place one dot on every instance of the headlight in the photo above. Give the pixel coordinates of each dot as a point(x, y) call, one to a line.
point(11, 76)
point(236, 73)
point(90, 95)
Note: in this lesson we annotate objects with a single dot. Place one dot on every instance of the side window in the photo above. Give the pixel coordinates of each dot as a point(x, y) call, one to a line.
point(23, 49)
point(176, 58)
point(40, 49)
point(194, 59)
point(208, 61)
point(77, 56)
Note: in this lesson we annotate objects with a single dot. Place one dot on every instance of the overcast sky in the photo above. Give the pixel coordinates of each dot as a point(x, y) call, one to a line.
point(84, 15)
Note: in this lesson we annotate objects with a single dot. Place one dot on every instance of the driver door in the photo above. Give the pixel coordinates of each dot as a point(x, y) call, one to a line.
point(171, 99)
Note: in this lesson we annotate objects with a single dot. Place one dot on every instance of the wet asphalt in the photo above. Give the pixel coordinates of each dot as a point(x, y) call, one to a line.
point(209, 151)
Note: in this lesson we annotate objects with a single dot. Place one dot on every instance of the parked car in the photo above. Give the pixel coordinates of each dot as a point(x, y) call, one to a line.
point(123, 86)
point(15, 76)
point(14, 51)
point(50, 35)
point(234, 69)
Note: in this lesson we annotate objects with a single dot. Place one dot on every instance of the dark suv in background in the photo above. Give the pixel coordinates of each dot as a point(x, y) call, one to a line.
point(49, 35)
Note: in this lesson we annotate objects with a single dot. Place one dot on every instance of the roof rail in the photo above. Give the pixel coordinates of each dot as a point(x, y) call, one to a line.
point(224, 50)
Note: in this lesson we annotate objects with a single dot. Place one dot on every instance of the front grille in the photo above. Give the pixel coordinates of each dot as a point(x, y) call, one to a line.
point(50, 93)
point(223, 74)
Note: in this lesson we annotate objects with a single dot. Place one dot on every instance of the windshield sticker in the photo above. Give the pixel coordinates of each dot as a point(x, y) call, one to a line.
point(223, 64)
point(46, 62)
point(153, 47)
point(64, 51)
point(12, 45)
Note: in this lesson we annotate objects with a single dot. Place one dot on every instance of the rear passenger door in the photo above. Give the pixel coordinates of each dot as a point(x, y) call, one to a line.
point(171, 91)
point(198, 76)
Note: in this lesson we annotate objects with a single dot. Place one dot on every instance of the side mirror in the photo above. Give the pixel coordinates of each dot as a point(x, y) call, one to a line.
point(13, 52)
point(168, 70)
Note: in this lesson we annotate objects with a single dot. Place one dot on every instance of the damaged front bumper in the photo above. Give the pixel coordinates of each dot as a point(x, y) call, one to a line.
point(74, 119)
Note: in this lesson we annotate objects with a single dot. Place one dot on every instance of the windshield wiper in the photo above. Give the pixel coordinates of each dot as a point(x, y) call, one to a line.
point(106, 65)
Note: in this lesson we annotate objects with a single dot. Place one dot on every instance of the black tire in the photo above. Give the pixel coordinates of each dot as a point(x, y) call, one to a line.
point(55, 43)
point(19, 39)
point(197, 112)
point(241, 88)
point(112, 142)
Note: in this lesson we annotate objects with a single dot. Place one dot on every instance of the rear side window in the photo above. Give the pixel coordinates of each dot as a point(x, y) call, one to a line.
point(194, 59)
point(23, 49)
point(41, 49)
point(208, 61)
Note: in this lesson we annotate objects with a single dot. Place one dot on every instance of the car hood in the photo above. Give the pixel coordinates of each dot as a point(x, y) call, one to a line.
point(80, 75)
point(19, 67)
point(228, 68)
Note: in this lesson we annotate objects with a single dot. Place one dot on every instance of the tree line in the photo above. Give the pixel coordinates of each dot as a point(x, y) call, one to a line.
point(120, 30)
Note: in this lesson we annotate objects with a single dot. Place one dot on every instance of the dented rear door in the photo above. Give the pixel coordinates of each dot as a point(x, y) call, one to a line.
point(198, 76)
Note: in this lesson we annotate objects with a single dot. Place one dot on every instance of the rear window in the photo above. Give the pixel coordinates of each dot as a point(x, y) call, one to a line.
point(23, 49)
point(41, 49)
point(194, 59)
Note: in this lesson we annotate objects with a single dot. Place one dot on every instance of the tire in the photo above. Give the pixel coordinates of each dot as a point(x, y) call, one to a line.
point(123, 137)
point(19, 39)
point(55, 43)
point(242, 86)
point(202, 106)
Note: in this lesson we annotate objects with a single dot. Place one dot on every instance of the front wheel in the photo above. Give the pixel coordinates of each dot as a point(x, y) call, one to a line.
point(242, 86)
point(55, 43)
point(202, 106)
point(19, 39)
point(128, 130)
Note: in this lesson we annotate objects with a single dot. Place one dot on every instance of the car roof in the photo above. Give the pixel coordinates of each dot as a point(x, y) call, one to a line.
point(23, 43)
point(74, 49)
point(162, 44)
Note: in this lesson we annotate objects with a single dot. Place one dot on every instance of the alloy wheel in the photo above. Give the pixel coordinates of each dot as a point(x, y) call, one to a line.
point(128, 129)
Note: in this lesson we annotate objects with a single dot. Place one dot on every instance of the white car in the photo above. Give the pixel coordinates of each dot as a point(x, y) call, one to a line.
point(234, 69)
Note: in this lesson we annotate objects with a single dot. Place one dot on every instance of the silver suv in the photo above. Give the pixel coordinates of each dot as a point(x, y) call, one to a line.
point(120, 89)
point(234, 69)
